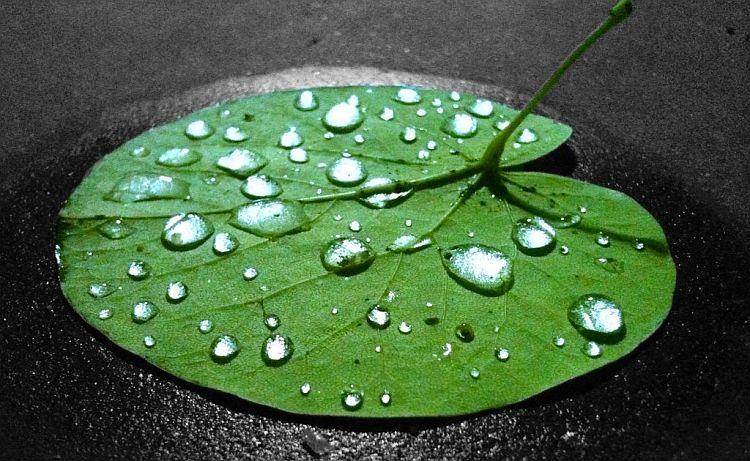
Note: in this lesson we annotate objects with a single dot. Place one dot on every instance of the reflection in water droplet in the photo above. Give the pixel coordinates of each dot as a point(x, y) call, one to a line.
point(138, 270)
point(407, 96)
point(346, 171)
point(347, 255)
point(527, 136)
point(638, 245)
point(404, 328)
point(277, 349)
point(242, 162)
point(178, 157)
point(502, 354)
point(186, 231)
point(176, 292)
point(306, 101)
point(140, 152)
point(355, 226)
point(271, 218)
point(235, 134)
point(143, 311)
point(272, 321)
point(383, 200)
point(481, 108)
point(569, 220)
point(225, 243)
point(461, 125)
point(290, 138)
point(305, 389)
point(101, 290)
point(592, 349)
point(612, 265)
point(115, 229)
point(378, 318)
point(205, 326)
point(224, 348)
point(199, 129)
point(343, 118)
point(261, 186)
point(385, 398)
point(105, 314)
point(534, 236)
point(597, 317)
point(558, 341)
point(149, 341)
point(409, 135)
point(249, 273)
point(564, 250)
point(479, 268)
point(465, 332)
point(474, 373)
point(144, 186)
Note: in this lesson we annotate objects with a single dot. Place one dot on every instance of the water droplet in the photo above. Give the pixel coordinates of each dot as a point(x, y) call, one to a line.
point(277, 349)
point(355, 226)
point(461, 125)
point(144, 186)
point(143, 311)
point(115, 229)
point(347, 255)
point(454, 96)
point(328, 135)
point(343, 118)
point(423, 155)
point(408, 222)
point(387, 114)
point(465, 332)
point(602, 240)
point(235, 134)
point(378, 349)
point(407, 96)
point(409, 243)
point(471, 235)
point(447, 349)
point(242, 162)
point(105, 314)
point(385, 398)
point(205, 326)
point(582, 209)
point(564, 250)
point(592, 349)
point(272, 321)
point(431, 145)
point(149, 341)
point(404, 328)
point(224, 348)
point(179, 156)
point(306, 101)
point(534, 236)
point(249, 273)
point(334, 311)
point(101, 290)
point(638, 245)
point(474, 373)
point(199, 129)
point(261, 186)
point(140, 152)
point(138, 270)
point(378, 318)
point(176, 292)
point(352, 399)
point(290, 138)
point(271, 218)
point(479, 268)
point(186, 231)
point(298, 155)
point(337, 217)
point(502, 354)
point(383, 200)
point(502, 124)
point(305, 389)
point(558, 341)
point(421, 112)
point(481, 108)
point(612, 265)
point(225, 113)
point(210, 180)
point(409, 135)
point(225, 243)
point(597, 317)
point(346, 171)
point(569, 220)
point(527, 136)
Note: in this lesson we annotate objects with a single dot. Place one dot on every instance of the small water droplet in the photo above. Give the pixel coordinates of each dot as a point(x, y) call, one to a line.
point(569, 220)
point(612, 265)
point(474, 373)
point(404, 328)
point(582, 209)
point(471, 235)
point(242, 162)
point(347, 255)
point(407, 96)
point(481, 108)
point(290, 138)
point(298, 155)
point(378, 318)
point(210, 180)
point(149, 341)
point(105, 314)
point(277, 349)
point(602, 240)
point(272, 321)
point(378, 349)
point(271, 218)
point(176, 292)
point(343, 118)
point(454, 96)
point(534, 236)
point(387, 114)
point(383, 200)
point(638, 245)
point(564, 250)
point(439, 110)
point(306, 101)
point(144, 186)
point(447, 349)
point(355, 226)
point(334, 311)
point(502, 354)
point(138, 270)
point(409, 135)
point(385, 398)
point(115, 229)
point(205, 326)
point(225, 113)
point(179, 156)
point(199, 129)
point(465, 332)
point(305, 389)
point(359, 139)
point(597, 317)
point(558, 341)
point(235, 134)
point(337, 217)
point(502, 124)
point(461, 125)
point(421, 112)
point(225, 243)
point(436, 102)
point(101, 290)
point(186, 231)
point(249, 273)
point(224, 348)
point(261, 186)
point(527, 136)
point(431, 145)
point(143, 311)
point(592, 349)
point(408, 222)
point(346, 172)
point(479, 268)
point(423, 155)
point(352, 399)
point(140, 152)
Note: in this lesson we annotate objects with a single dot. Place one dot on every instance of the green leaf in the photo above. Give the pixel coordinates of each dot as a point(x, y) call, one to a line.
point(289, 266)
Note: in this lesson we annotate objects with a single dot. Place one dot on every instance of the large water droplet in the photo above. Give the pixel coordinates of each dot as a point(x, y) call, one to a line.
point(176, 292)
point(306, 101)
point(115, 229)
point(235, 134)
point(465, 332)
point(138, 270)
point(481, 108)
point(346, 171)
point(205, 326)
point(612, 265)
point(378, 318)
point(383, 200)
point(199, 129)
point(592, 349)
point(225, 243)
point(534, 236)
point(347, 255)
point(461, 125)
point(242, 162)
point(186, 231)
point(271, 218)
point(352, 400)
point(144, 186)
point(143, 311)
point(343, 118)
point(479, 268)
point(409, 135)
point(277, 349)
point(298, 155)
point(224, 348)
point(261, 186)
point(527, 136)
point(597, 317)
point(179, 156)
point(101, 290)
point(407, 96)
point(290, 138)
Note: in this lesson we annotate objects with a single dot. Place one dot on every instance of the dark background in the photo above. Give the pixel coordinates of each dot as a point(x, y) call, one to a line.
point(661, 111)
